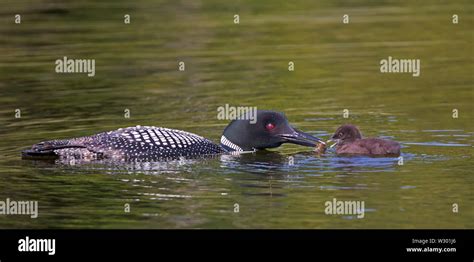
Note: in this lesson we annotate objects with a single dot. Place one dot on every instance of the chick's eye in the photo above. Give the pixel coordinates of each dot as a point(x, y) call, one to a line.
point(269, 126)
point(341, 134)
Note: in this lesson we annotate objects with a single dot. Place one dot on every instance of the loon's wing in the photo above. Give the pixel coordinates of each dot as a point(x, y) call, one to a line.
point(128, 143)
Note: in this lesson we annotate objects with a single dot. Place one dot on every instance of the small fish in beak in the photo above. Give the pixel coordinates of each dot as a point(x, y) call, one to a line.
point(320, 148)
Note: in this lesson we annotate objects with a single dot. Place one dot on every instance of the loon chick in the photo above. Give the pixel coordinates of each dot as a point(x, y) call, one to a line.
point(349, 141)
point(147, 142)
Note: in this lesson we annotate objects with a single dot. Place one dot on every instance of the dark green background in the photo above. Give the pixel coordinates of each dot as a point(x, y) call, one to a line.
point(336, 68)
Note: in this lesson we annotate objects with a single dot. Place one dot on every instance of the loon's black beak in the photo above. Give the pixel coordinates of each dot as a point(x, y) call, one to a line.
point(300, 138)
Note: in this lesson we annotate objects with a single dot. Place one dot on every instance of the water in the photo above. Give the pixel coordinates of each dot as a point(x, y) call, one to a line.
point(336, 68)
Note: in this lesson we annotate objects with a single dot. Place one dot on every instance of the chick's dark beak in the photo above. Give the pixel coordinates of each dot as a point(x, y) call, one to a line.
point(300, 138)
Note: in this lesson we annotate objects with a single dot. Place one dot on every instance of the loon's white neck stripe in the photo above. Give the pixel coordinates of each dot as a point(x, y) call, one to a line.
point(227, 143)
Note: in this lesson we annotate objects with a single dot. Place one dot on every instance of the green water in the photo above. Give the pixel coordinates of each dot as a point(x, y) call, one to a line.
point(245, 64)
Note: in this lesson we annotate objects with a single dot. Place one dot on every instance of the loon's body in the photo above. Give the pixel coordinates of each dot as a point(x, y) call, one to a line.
point(140, 142)
point(152, 143)
point(350, 142)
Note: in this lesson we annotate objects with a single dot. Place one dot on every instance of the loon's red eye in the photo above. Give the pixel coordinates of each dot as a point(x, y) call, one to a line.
point(269, 126)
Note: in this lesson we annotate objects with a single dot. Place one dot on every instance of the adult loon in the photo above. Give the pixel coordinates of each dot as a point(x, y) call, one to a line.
point(147, 142)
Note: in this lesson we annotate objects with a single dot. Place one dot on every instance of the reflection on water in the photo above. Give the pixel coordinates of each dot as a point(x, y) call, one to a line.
point(336, 68)
point(262, 162)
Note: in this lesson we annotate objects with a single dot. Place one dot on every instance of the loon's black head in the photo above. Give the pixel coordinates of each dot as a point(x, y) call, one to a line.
point(271, 129)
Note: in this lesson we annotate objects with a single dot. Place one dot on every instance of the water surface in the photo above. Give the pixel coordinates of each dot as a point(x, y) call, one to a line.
point(336, 68)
